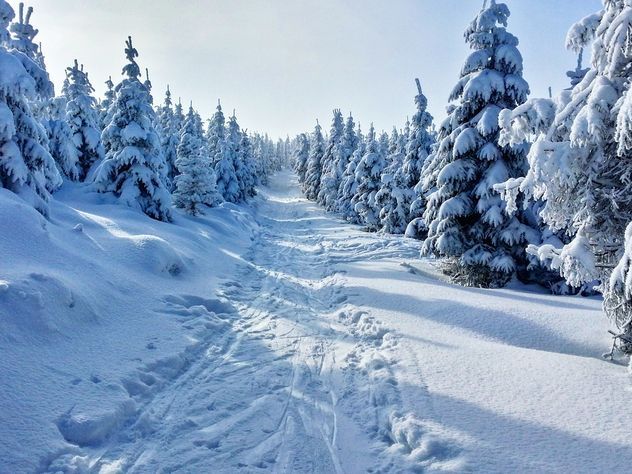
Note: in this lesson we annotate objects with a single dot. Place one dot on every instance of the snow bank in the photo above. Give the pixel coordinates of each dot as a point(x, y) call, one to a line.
point(99, 308)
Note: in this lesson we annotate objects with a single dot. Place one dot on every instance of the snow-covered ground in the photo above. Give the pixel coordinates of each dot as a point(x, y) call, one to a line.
point(277, 338)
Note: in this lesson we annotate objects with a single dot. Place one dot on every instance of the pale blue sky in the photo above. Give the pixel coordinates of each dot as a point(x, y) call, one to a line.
point(284, 63)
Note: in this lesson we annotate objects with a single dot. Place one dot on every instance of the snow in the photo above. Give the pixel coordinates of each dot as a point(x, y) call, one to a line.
point(285, 341)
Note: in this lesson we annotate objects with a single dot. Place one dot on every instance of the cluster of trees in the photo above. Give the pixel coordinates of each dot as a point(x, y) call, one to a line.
point(148, 158)
point(539, 189)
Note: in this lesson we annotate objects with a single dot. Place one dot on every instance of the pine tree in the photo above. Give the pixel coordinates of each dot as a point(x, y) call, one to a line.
point(368, 176)
point(195, 185)
point(466, 218)
point(418, 148)
point(348, 183)
point(216, 133)
point(30, 55)
point(132, 166)
point(390, 198)
point(25, 162)
point(106, 103)
point(330, 180)
point(83, 119)
point(314, 163)
point(580, 164)
point(61, 141)
point(246, 156)
point(224, 158)
point(169, 135)
point(241, 167)
point(301, 155)
point(32, 59)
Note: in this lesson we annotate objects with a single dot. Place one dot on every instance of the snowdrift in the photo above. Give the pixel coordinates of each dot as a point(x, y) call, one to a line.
point(96, 292)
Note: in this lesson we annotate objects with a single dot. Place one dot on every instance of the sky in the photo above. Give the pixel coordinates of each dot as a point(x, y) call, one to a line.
point(282, 64)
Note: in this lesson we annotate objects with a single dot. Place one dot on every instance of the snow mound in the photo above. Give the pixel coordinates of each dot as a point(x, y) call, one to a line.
point(41, 304)
point(91, 421)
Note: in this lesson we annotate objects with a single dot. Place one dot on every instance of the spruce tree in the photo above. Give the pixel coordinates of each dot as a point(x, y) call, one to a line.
point(348, 183)
point(23, 41)
point(106, 103)
point(216, 133)
point(330, 180)
point(314, 164)
point(132, 166)
point(61, 140)
point(390, 198)
point(466, 218)
point(25, 162)
point(246, 156)
point(418, 148)
point(224, 158)
point(194, 184)
point(580, 164)
point(368, 176)
point(241, 167)
point(83, 119)
point(301, 155)
point(169, 135)
point(28, 52)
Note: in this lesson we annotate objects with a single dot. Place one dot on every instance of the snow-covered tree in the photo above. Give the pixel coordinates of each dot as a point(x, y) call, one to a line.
point(23, 41)
point(246, 157)
point(314, 163)
point(579, 163)
point(83, 119)
point(195, 182)
point(169, 135)
point(241, 167)
point(132, 166)
point(466, 217)
point(216, 133)
point(61, 140)
point(368, 176)
point(106, 103)
point(418, 147)
point(348, 183)
point(330, 179)
point(26, 166)
point(301, 155)
point(390, 198)
point(224, 159)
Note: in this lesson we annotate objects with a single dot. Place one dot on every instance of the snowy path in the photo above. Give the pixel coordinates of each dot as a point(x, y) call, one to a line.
point(300, 382)
point(333, 350)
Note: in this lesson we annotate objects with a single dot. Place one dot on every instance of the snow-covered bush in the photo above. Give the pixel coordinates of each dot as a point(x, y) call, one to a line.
point(133, 164)
point(83, 118)
point(466, 217)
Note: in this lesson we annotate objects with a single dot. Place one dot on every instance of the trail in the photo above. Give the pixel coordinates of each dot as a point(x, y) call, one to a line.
point(290, 377)
point(333, 350)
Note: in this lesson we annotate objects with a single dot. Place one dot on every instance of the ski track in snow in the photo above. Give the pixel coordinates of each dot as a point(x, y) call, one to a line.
point(287, 377)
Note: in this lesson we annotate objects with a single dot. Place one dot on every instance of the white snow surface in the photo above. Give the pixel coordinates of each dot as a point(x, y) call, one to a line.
point(272, 337)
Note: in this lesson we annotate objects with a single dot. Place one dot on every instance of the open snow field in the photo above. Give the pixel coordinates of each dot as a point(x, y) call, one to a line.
point(279, 339)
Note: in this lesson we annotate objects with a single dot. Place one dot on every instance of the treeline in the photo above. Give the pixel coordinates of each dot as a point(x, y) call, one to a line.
point(507, 186)
point(148, 158)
